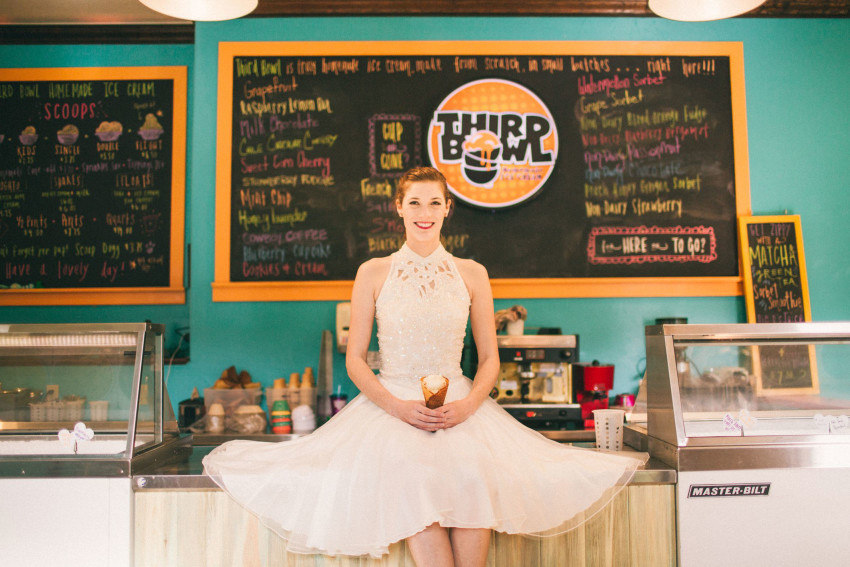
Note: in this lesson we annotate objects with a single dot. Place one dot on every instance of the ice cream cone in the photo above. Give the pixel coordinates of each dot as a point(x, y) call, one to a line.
point(434, 388)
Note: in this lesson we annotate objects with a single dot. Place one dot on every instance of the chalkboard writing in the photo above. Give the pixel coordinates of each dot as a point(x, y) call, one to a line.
point(87, 179)
point(617, 165)
point(788, 369)
point(776, 291)
point(776, 288)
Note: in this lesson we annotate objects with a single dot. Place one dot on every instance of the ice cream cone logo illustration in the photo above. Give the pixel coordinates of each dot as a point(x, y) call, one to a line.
point(481, 158)
point(495, 141)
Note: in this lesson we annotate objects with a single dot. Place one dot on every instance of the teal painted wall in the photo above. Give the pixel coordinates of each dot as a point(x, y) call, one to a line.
point(798, 122)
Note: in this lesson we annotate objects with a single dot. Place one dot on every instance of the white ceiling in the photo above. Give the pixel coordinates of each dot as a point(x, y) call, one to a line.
point(23, 12)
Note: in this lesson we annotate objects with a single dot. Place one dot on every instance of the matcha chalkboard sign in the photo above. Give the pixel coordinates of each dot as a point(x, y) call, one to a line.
point(775, 283)
point(776, 291)
point(92, 173)
point(576, 169)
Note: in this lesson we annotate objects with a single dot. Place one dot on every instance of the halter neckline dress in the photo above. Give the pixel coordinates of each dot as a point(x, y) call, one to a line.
point(365, 479)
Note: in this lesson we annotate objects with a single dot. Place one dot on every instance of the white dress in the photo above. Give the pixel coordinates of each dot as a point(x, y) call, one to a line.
point(365, 479)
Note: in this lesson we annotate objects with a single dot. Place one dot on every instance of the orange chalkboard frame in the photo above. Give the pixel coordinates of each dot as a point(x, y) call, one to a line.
point(223, 289)
point(174, 293)
point(744, 223)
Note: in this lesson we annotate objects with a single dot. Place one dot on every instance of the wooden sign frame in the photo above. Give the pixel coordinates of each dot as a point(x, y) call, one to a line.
point(744, 223)
point(174, 292)
point(223, 289)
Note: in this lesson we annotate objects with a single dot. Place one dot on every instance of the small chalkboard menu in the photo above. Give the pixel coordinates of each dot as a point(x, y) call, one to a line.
point(577, 169)
point(776, 291)
point(92, 185)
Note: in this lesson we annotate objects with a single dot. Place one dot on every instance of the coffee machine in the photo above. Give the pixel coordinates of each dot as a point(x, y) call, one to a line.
point(535, 380)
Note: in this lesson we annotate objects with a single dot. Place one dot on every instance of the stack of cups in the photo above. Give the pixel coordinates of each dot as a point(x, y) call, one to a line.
point(307, 392)
point(99, 410)
point(294, 389)
point(278, 392)
point(303, 419)
point(215, 419)
point(281, 418)
point(609, 429)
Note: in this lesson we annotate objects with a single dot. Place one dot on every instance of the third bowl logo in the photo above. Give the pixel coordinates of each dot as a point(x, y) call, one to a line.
point(495, 141)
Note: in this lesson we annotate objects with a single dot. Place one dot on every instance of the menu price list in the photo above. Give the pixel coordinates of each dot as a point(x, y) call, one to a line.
point(652, 159)
point(85, 183)
point(644, 186)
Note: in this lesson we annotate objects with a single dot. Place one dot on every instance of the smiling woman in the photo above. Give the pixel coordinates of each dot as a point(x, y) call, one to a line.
point(422, 200)
point(337, 491)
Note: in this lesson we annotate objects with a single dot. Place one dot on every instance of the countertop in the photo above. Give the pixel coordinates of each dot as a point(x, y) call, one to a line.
point(186, 471)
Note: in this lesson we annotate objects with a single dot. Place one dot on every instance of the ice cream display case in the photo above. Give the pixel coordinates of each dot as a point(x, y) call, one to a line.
point(107, 377)
point(756, 420)
point(83, 409)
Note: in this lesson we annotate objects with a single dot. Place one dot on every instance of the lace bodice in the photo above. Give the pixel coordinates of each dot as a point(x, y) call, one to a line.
point(422, 312)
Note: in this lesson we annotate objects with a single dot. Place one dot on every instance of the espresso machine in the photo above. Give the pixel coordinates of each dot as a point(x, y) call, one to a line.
point(591, 385)
point(535, 380)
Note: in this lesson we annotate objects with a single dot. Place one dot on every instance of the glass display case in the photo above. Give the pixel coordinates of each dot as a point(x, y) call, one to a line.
point(772, 388)
point(107, 377)
point(755, 418)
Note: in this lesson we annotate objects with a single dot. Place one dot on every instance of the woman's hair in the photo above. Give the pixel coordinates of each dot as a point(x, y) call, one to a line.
point(416, 174)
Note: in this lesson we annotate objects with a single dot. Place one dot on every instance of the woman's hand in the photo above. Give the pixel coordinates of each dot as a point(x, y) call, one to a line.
point(418, 415)
point(455, 413)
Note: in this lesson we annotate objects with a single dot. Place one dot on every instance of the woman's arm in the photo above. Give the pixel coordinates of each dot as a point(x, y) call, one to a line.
point(367, 284)
point(484, 333)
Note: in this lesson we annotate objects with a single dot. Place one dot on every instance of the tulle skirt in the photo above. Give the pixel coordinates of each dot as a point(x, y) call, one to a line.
point(365, 479)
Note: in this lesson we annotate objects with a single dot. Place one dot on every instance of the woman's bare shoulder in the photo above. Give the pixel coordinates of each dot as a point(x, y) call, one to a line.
point(371, 275)
point(375, 267)
point(474, 276)
point(470, 269)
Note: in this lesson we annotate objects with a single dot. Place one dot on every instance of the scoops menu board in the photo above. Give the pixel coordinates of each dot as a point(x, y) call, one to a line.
point(92, 185)
point(575, 168)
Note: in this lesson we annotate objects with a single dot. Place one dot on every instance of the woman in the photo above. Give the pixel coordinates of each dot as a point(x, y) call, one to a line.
point(387, 467)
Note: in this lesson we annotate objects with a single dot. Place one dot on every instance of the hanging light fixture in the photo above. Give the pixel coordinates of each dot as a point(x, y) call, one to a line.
point(202, 10)
point(702, 10)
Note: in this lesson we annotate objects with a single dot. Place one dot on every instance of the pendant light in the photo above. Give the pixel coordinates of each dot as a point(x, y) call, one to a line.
point(702, 10)
point(202, 10)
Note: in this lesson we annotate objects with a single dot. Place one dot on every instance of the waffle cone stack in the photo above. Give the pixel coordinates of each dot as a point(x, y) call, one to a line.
point(434, 387)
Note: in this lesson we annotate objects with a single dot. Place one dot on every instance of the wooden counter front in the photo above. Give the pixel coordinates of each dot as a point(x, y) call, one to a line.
point(206, 527)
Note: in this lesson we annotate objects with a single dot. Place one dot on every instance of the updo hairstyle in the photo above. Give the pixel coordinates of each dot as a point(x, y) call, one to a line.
point(420, 174)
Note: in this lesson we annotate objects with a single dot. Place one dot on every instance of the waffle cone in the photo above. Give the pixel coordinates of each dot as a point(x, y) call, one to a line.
point(434, 399)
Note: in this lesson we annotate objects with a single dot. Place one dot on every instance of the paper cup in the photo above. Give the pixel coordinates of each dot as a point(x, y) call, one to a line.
point(515, 327)
point(99, 410)
point(609, 429)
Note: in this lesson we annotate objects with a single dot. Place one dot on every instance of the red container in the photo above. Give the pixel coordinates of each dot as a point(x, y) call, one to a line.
point(592, 377)
point(591, 384)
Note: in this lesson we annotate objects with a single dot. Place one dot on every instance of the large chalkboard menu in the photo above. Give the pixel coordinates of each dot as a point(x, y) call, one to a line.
point(776, 291)
point(577, 169)
point(92, 176)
